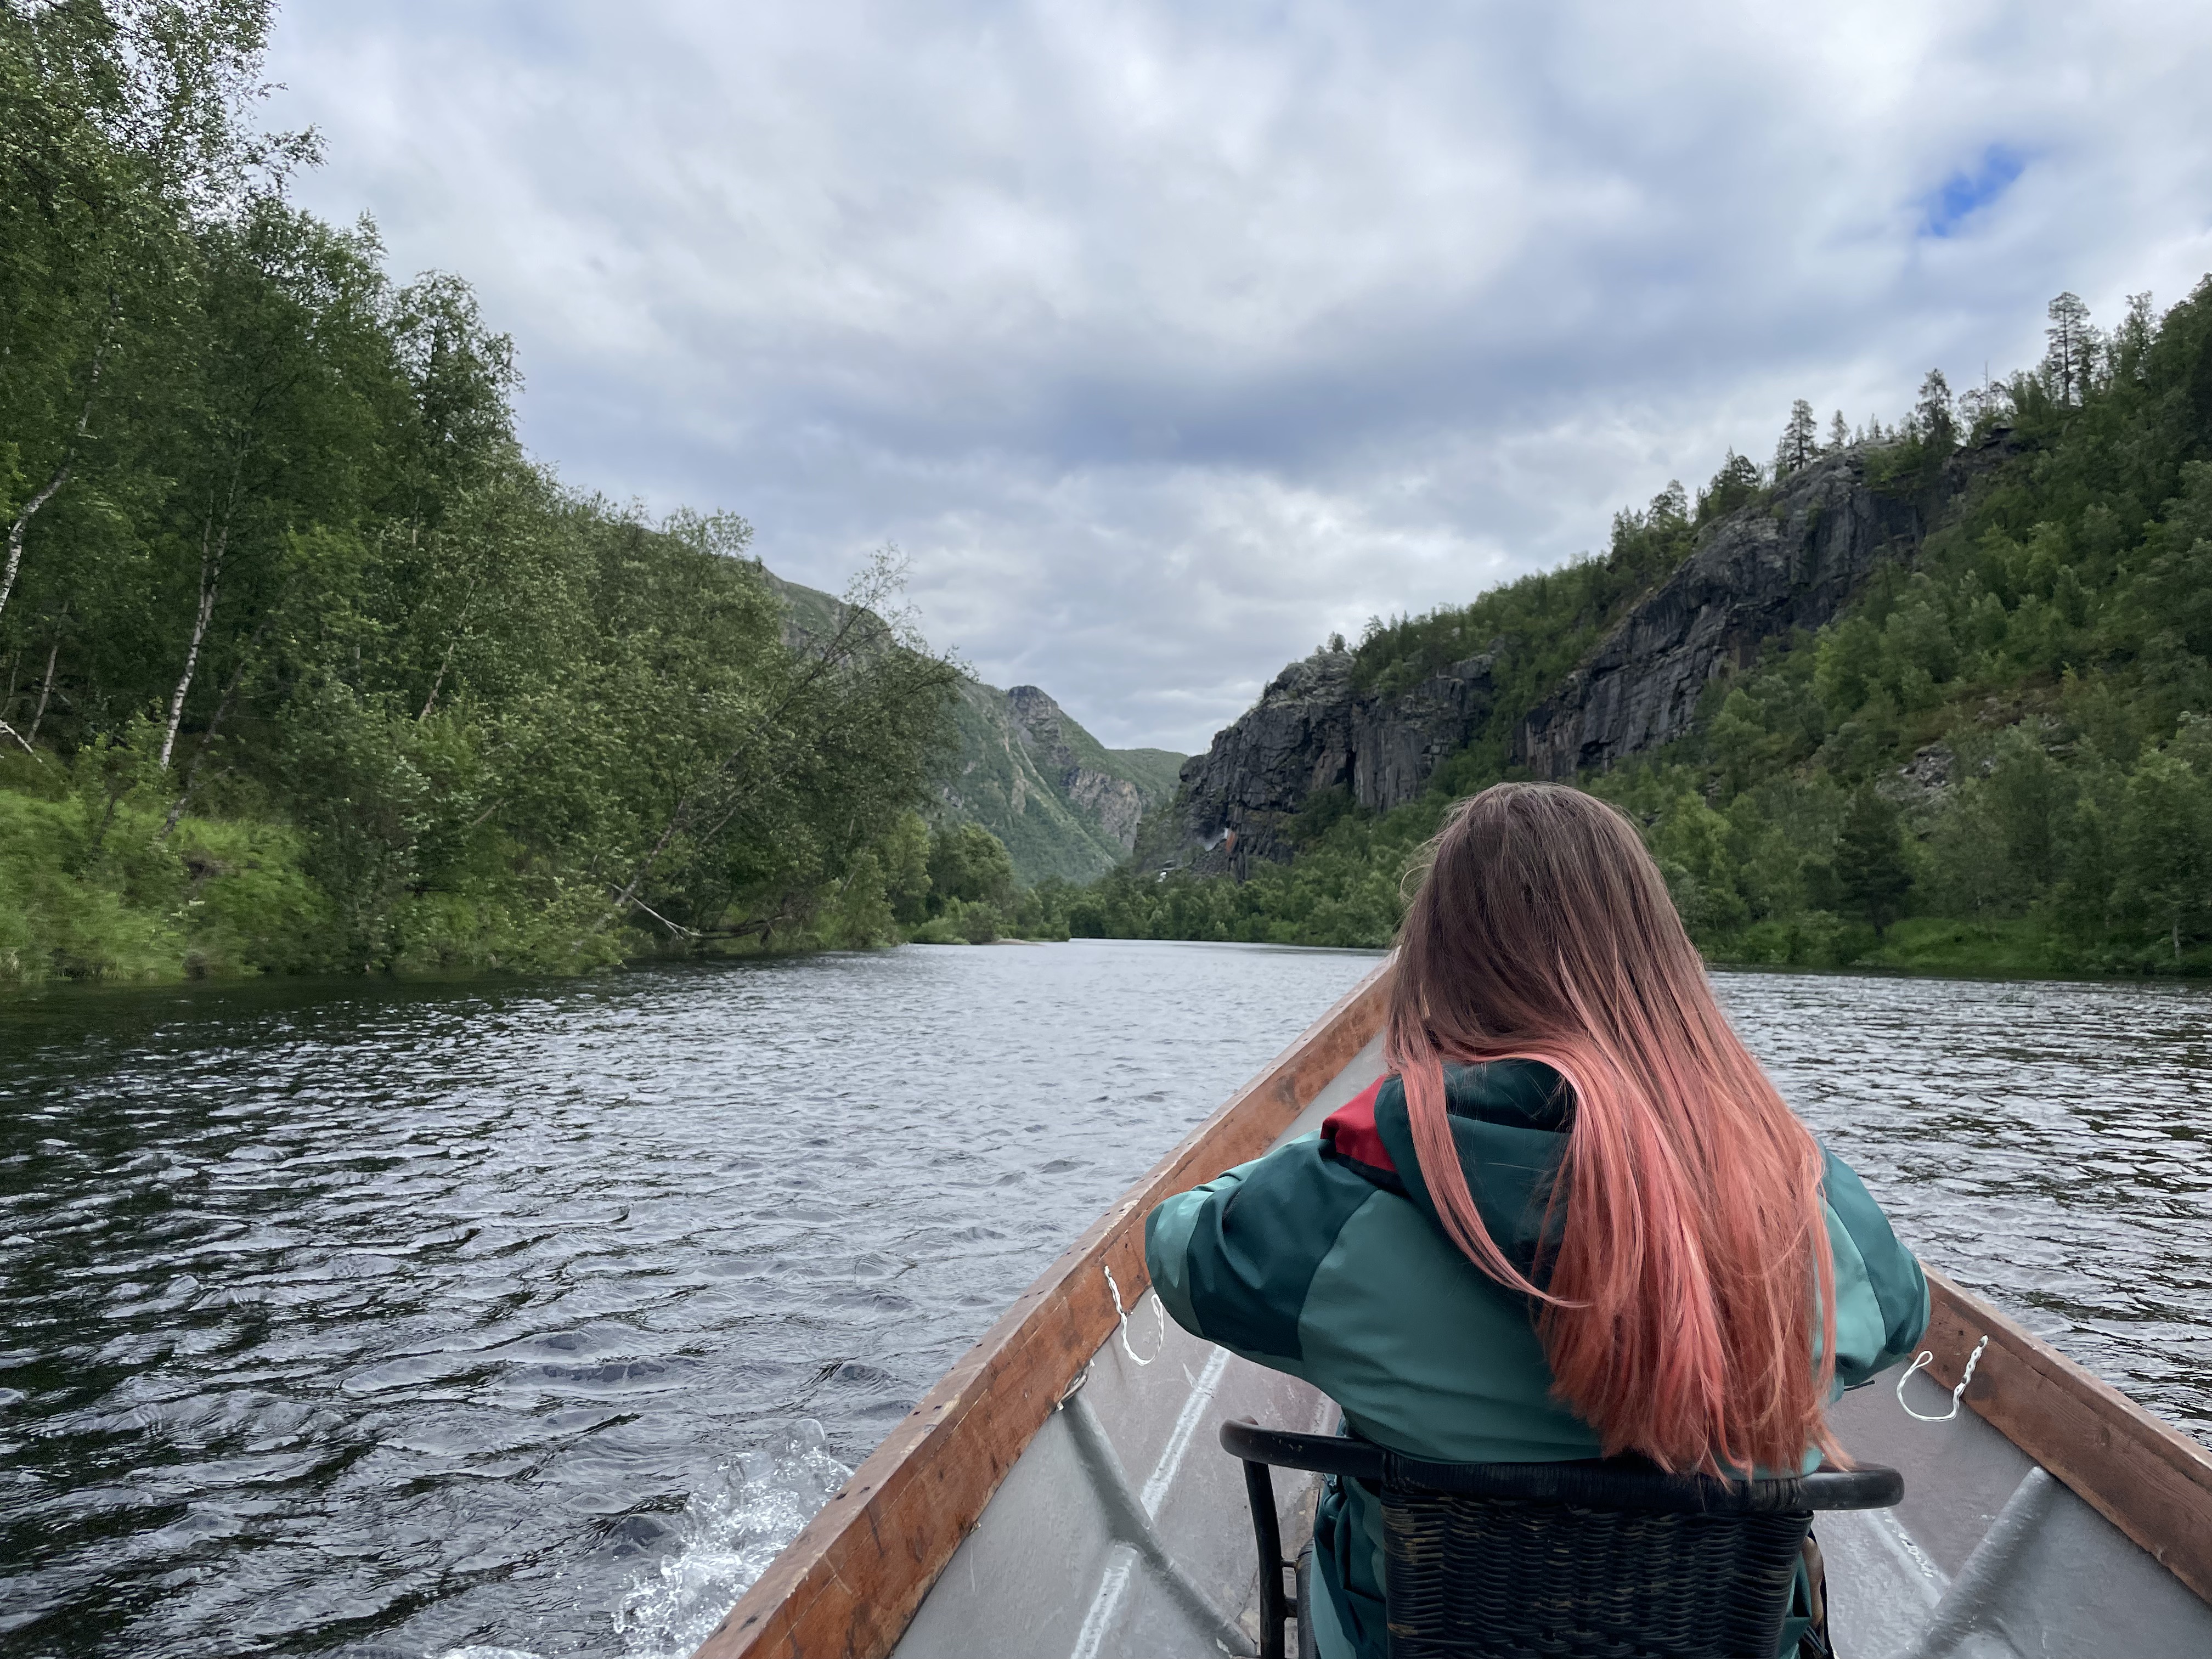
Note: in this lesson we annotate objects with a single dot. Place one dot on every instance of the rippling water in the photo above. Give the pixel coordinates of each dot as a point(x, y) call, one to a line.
point(398, 1320)
point(452, 1322)
point(2047, 1145)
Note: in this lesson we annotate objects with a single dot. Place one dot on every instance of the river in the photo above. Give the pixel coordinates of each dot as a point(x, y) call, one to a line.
point(459, 1321)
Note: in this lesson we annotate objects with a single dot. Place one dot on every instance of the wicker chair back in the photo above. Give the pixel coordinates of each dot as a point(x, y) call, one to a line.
point(1587, 1561)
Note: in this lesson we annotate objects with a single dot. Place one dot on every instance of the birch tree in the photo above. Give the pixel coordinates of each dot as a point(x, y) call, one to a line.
point(120, 127)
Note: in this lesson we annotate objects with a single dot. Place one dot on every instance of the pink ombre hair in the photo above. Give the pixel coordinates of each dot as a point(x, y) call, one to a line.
point(1692, 1260)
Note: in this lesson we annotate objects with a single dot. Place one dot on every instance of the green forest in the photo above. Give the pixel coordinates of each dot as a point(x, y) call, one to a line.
point(306, 665)
point(1998, 759)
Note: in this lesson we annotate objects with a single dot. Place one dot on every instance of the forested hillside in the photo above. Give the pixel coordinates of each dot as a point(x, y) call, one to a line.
point(1997, 756)
point(1065, 806)
point(304, 664)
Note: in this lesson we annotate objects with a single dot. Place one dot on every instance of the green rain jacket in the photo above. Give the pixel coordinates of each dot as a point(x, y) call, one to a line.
point(1326, 1259)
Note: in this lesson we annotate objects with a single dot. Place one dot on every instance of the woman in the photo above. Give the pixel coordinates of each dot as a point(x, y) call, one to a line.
point(1574, 1219)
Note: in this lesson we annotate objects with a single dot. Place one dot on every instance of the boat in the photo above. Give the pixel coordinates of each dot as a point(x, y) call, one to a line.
point(1062, 1489)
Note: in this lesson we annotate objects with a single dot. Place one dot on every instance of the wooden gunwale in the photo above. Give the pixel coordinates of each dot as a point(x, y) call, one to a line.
point(848, 1585)
point(2141, 1474)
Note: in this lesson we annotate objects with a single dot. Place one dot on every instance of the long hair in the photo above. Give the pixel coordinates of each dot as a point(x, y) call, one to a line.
point(1692, 1253)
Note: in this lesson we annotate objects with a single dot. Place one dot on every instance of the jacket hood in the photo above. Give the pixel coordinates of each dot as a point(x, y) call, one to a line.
point(1509, 1121)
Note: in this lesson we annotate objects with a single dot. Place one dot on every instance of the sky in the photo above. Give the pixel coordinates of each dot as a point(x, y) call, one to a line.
point(1165, 340)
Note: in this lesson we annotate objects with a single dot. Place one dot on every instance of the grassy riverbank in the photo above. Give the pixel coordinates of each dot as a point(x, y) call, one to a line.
point(91, 892)
point(1359, 907)
point(2016, 949)
point(98, 883)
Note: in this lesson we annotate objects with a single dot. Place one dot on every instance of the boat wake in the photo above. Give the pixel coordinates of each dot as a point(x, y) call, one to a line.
point(726, 1535)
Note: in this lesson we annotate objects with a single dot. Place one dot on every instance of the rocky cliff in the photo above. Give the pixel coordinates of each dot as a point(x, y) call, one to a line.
point(1313, 731)
point(1792, 559)
point(1063, 803)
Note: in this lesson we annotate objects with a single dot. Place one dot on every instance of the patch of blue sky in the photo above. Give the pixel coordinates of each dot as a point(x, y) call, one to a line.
point(1967, 191)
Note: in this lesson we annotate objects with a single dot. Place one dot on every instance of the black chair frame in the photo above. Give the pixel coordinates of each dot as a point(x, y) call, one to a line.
point(1619, 1485)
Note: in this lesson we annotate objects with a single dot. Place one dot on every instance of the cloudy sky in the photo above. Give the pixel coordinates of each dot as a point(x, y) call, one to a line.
point(1167, 338)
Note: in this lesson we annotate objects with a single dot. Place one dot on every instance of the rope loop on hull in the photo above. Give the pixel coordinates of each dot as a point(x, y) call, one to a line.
point(1925, 1357)
point(1159, 1312)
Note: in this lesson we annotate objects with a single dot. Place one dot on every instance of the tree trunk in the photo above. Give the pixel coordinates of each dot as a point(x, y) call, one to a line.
point(61, 474)
point(460, 622)
point(431, 701)
point(47, 689)
point(15, 531)
point(211, 547)
point(207, 738)
point(107, 818)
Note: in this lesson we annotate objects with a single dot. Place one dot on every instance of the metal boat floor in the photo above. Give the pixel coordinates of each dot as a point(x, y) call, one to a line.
point(1988, 1556)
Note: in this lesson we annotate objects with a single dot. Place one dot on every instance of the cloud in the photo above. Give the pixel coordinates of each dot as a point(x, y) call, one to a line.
point(1168, 338)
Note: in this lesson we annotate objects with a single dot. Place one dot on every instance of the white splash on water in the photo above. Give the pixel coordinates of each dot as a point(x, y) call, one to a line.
point(728, 1535)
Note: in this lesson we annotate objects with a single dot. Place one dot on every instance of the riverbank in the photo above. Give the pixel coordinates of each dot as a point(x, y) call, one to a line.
point(1938, 946)
point(223, 900)
point(102, 882)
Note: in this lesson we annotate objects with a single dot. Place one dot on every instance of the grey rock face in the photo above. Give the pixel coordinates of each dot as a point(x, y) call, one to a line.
point(1792, 561)
point(1759, 574)
point(1312, 731)
point(1116, 803)
point(1113, 801)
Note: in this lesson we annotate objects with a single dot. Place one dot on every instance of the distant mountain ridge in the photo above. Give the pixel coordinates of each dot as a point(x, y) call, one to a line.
point(1064, 804)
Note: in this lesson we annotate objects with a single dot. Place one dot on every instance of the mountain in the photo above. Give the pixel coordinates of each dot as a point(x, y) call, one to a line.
point(1064, 804)
point(1793, 560)
point(1934, 698)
